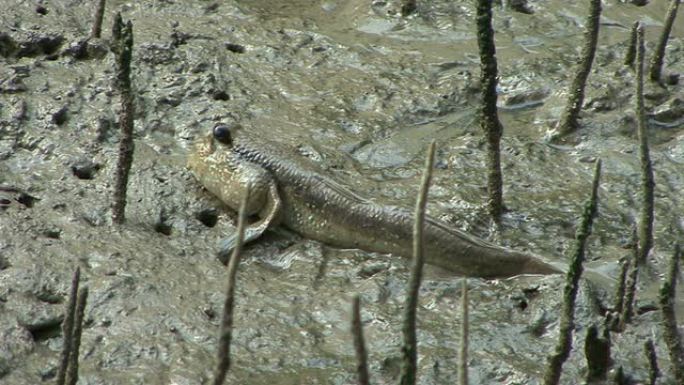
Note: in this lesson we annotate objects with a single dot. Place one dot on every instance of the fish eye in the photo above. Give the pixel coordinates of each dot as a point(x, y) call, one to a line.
point(222, 134)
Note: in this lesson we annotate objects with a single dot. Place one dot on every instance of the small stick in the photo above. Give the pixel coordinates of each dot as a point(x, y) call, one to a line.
point(620, 292)
point(567, 321)
point(463, 357)
point(226, 334)
point(68, 327)
point(653, 371)
point(647, 183)
point(123, 48)
point(409, 347)
point(667, 307)
point(569, 121)
point(659, 54)
point(631, 49)
point(631, 285)
point(597, 353)
point(489, 119)
point(359, 343)
point(619, 377)
point(99, 15)
point(72, 371)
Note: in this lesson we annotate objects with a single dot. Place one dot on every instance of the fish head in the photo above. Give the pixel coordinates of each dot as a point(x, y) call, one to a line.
point(225, 174)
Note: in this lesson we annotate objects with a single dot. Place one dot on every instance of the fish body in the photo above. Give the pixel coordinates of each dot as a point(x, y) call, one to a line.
point(288, 190)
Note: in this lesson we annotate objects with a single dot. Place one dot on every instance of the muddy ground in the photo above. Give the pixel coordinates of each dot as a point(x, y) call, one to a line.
point(360, 91)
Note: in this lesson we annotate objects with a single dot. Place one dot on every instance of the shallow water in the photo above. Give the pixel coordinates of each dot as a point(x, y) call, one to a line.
point(361, 92)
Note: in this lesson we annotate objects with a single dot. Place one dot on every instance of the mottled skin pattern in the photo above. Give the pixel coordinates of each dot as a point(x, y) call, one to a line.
point(288, 190)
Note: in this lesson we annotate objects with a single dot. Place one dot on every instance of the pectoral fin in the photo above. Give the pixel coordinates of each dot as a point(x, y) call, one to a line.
point(268, 217)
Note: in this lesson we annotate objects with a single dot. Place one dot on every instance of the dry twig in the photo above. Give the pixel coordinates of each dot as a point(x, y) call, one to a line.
point(409, 346)
point(567, 320)
point(226, 331)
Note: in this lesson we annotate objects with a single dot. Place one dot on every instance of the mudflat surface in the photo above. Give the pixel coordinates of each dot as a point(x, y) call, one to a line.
point(360, 91)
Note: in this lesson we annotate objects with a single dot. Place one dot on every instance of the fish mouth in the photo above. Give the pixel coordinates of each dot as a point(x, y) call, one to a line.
point(205, 145)
point(202, 150)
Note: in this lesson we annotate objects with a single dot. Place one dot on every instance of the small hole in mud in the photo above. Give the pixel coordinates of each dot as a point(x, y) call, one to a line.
point(61, 116)
point(220, 95)
point(646, 309)
point(48, 296)
point(236, 48)
point(522, 305)
point(208, 217)
point(85, 169)
point(45, 330)
point(52, 233)
point(209, 312)
point(48, 373)
point(4, 263)
point(163, 228)
point(26, 200)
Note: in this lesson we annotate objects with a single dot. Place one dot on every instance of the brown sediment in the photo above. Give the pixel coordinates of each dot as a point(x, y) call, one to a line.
point(409, 346)
point(567, 318)
point(544, 230)
point(489, 118)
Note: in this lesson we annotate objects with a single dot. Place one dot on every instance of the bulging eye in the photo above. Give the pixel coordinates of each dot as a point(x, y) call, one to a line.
point(222, 134)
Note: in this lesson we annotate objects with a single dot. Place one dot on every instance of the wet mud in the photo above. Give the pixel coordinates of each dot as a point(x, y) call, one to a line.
point(360, 91)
